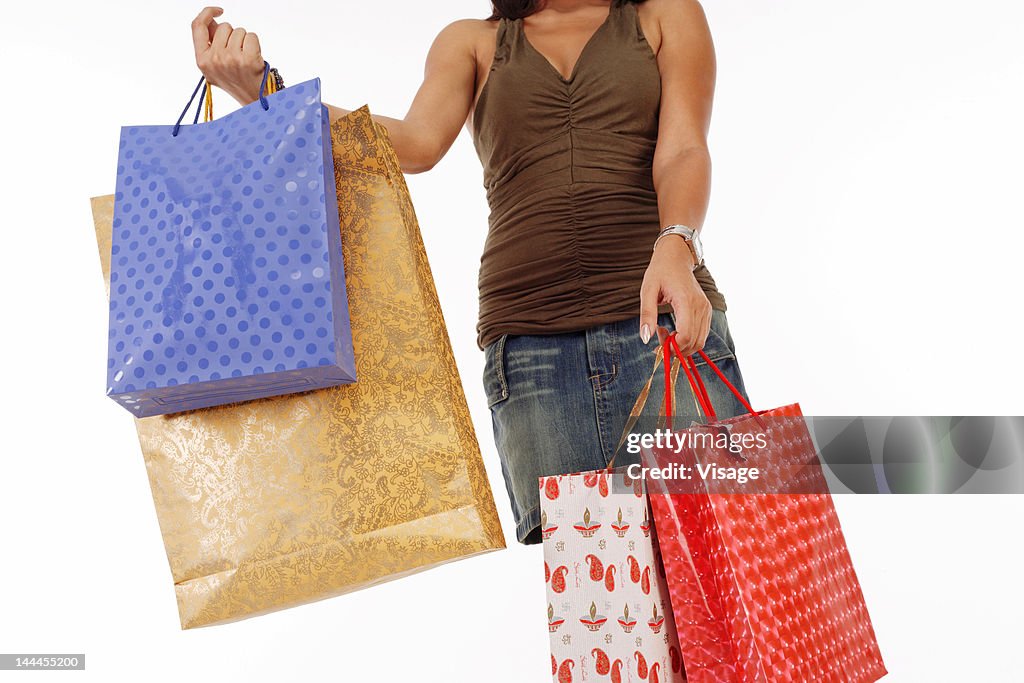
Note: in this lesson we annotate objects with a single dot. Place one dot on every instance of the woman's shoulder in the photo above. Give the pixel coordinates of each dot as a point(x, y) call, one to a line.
point(472, 37)
point(468, 31)
point(672, 10)
point(677, 18)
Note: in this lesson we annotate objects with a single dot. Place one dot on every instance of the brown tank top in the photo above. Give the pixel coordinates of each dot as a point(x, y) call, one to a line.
point(567, 169)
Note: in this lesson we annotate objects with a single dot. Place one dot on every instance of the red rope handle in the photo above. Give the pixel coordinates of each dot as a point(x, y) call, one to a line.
point(698, 384)
point(700, 394)
point(667, 353)
point(702, 402)
point(702, 391)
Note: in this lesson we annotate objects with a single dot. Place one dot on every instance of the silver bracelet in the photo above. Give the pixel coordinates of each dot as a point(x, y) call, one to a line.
point(690, 236)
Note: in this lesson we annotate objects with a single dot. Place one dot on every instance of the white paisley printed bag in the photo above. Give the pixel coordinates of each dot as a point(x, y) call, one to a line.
point(609, 615)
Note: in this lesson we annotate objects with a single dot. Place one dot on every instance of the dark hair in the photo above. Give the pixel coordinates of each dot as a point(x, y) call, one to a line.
point(517, 9)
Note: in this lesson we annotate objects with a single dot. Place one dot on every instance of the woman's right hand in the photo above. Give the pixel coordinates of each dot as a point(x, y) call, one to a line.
point(229, 58)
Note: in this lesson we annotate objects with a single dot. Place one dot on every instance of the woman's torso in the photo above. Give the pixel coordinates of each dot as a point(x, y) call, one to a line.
point(567, 170)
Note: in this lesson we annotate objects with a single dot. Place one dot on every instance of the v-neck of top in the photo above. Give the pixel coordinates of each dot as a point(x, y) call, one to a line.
point(582, 54)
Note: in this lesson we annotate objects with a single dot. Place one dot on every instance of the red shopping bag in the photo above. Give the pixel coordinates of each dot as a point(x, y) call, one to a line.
point(762, 586)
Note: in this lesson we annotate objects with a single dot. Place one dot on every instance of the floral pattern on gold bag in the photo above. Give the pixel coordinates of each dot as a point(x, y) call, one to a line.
point(283, 501)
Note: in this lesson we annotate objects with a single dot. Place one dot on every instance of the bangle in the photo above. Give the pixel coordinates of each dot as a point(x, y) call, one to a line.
point(681, 230)
point(278, 81)
point(690, 237)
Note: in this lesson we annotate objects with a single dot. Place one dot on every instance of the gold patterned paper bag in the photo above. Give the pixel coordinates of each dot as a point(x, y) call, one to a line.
point(278, 502)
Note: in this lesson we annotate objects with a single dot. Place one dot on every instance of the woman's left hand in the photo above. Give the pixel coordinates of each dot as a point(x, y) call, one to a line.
point(669, 279)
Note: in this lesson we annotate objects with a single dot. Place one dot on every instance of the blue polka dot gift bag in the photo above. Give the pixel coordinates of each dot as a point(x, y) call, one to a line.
point(227, 282)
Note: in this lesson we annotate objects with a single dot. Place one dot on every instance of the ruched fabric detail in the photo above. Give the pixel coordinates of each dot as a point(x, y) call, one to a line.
point(567, 170)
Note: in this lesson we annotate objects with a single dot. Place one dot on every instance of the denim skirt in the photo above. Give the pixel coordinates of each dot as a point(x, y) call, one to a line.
point(559, 402)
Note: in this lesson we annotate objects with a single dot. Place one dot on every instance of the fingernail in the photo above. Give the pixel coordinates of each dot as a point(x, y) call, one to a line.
point(645, 333)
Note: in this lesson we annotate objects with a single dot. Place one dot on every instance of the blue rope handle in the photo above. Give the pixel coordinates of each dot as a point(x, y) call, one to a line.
point(202, 79)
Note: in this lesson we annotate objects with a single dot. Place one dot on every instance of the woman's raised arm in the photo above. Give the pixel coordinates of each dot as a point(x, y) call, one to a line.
point(231, 59)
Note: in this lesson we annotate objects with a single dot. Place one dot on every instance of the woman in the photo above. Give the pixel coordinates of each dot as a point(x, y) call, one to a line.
point(590, 118)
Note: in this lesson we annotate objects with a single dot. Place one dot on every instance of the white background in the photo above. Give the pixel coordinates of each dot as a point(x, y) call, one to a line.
point(866, 228)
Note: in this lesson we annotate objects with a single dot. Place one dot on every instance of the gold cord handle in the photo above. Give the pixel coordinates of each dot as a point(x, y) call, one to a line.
point(270, 89)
